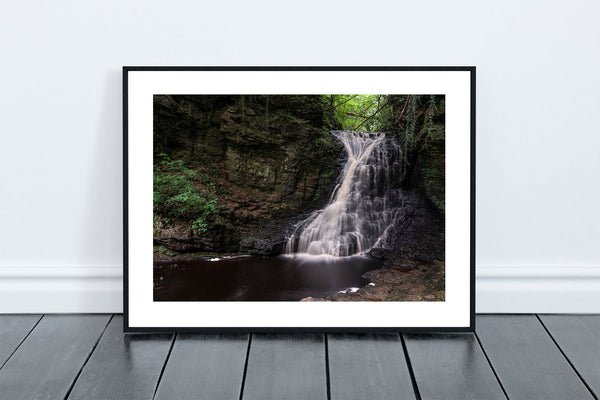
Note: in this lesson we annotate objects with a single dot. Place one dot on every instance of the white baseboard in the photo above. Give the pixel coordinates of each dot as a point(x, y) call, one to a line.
point(508, 289)
point(49, 289)
point(538, 289)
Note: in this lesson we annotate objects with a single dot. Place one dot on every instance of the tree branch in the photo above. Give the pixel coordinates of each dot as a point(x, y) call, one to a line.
point(374, 114)
point(357, 115)
point(344, 102)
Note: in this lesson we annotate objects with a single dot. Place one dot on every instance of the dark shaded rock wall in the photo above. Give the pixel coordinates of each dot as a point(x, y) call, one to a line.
point(263, 157)
point(418, 234)
point(420, 121)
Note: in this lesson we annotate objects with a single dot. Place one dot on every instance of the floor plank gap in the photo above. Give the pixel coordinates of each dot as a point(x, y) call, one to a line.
point(162, 371)
point(327, 374)
point(246, 366)
point(410, 368)
point(21, 342)
point(87, 359)
point(491, 366)
point(566, 358)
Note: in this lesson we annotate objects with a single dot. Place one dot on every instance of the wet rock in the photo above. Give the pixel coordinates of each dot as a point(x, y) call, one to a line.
point(382, 254)
point(271, 239)
point(180, 237)
point(263, 247)
point(313, 299)
point(418, 233)
point(398, 283)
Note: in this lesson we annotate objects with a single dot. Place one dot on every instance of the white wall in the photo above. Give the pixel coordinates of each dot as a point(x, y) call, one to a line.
point(538, 149)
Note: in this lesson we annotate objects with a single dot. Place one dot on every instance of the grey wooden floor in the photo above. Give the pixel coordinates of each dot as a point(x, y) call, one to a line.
point(510, 356)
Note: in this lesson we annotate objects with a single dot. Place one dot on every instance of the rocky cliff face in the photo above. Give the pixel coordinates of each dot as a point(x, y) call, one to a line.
point(243, 163)
point(420, 122)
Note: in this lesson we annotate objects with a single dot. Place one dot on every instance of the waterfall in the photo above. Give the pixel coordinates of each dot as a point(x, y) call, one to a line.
point(364, 203)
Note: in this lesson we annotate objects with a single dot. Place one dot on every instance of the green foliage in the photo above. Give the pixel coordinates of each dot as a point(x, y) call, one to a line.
point(176, 195)
point(354, 112)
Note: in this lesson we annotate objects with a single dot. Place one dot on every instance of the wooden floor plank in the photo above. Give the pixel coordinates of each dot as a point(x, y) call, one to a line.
point(46, 364)
point(451, 366)
point(205, 367)
point(368, 366)
point(526, 360)
point(579, 338)
point(286, 366)
point(13, 329)
point(123, 366)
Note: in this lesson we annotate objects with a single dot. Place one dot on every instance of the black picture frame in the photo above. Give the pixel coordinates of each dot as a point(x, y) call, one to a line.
point(128, 328)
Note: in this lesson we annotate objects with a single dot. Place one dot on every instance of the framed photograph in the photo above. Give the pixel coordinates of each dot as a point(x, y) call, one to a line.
point(299, 198)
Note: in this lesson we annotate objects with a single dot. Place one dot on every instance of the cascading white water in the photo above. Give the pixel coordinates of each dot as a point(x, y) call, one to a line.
point(363, 204)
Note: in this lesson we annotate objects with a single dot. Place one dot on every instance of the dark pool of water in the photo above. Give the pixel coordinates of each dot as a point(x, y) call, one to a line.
point(258, 279)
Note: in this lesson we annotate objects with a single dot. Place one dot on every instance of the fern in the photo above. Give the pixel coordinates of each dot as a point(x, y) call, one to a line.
point(176, 195)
